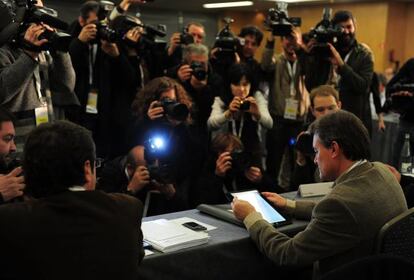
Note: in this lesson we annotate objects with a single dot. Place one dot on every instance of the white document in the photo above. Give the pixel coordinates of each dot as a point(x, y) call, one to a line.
point(316, 189)
point(167, 236)
point(183, 220)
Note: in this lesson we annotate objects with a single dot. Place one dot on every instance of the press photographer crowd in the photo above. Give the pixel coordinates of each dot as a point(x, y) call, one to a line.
point(105, 120)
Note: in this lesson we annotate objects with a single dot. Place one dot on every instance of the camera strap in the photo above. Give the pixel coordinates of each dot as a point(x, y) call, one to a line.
point(43, 113)
point(93, 50)
point(92, 102)
point(233, 126)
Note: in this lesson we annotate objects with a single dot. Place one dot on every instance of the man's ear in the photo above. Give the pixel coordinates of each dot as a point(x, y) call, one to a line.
point(89, 173)
point(339, 104)
point(336, 150)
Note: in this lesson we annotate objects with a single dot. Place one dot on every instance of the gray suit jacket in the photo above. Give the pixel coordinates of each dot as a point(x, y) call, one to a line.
point(343, 225)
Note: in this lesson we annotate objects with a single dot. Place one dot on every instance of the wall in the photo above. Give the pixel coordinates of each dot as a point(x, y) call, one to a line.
point(409, 32)
point(371, 23)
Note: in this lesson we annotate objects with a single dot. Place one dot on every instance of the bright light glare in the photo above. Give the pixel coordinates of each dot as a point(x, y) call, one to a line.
point(159, 143)
point(228, 4)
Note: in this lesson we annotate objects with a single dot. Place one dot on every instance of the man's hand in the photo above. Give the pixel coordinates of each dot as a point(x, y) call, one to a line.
point(297, 36)
point(134, 34)
point(254, 174)
point(12, 185)
point(32, 37)
point(126, 3)
point(155, 111)
point(88, 33)
point(110, 49)
point(253, 109)
point(174, 43)
point(140, 179)
point(241, 209)
point(223, 164)
point(184, 72)
point(335, 58)
point(167, 189)
point(381, 123)
point(277, 200)
point(394, 172)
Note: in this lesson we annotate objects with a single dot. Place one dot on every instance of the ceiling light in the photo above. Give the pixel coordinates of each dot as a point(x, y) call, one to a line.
point(293, 1)
point(228, 4)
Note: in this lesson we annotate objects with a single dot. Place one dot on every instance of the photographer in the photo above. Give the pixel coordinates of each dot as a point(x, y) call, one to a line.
point(162, 111)
point(227, 169)
point(241, 109)
point(288, 98)
point(351, 68)
point(11, 181)
point(23, 71)
point(104, 74)
point(178, 41)
point(404, 104)
point(324, 99)
point(129, 174)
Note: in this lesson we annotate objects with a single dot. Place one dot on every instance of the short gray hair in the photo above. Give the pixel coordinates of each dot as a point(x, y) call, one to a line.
point(197, 49)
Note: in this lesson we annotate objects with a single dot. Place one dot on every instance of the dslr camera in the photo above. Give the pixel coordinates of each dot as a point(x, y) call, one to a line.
point(186, 38)
point(325, 32)
point(155, 153)
point(240, 161)
point(25, 13)
point(174, 109)
point(227, 43)
point(244, 105)
point(199, 71)
point(279, 22)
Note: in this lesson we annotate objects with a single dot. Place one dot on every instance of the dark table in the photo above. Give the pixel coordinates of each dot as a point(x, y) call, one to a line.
point(229, 254)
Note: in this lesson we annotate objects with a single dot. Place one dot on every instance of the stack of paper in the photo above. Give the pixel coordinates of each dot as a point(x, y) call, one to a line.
point(168, 236)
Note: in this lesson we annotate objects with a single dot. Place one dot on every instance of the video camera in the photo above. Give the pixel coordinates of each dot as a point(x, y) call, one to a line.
point(15, 22)
point(155, 153)
point(325, 32)
point(279, 22)
point(401, 104)
point(226, 41)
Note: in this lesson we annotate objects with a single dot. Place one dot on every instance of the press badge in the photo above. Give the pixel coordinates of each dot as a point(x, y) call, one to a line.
point(41, 114)
point(291, 109)
point(92, 105)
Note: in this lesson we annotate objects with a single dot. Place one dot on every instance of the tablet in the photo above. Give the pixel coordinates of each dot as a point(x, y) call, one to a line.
point(262, 206)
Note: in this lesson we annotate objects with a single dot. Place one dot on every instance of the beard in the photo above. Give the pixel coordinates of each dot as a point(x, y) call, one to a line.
point(346, 41)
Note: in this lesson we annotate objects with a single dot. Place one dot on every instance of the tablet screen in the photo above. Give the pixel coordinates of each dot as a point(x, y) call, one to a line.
point(261, 205)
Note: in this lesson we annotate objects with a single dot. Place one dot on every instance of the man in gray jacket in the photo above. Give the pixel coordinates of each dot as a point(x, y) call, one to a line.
point(344, 224)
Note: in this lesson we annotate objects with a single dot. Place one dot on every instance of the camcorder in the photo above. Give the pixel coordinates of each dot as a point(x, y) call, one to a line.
point(279, 22)
point(325, 32)
point(156, 151)
point(304, 144)
point(174, 109)
point(227, 43)
point(401, 103)
point(25, 13)
point(199, 70)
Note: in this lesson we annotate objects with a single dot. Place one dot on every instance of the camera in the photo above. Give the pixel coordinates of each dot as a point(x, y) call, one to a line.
point(401, 104)
point(174, 109)
point(105, 7)
point(155, 153)
point(325, 32)
point(304, 144)
point(104, 32)
point(240, 161)
point(199, 71)
point(186, 38)
point(279, 22)
point(226, 41)
point(148, 39)
point(244, 105)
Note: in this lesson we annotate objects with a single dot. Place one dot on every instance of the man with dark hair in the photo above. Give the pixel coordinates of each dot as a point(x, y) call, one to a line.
point(69, 230)
point(344, 225)
point(11, 183)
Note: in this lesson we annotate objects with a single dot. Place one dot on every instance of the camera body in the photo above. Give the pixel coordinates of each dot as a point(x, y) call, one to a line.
point(156, 150)
point(174, 109)
point(325, 32)
point(240, 161)
point(199, 71)
point(279, 22)
point(104, 32)
point(186, 38)
point(244, 105)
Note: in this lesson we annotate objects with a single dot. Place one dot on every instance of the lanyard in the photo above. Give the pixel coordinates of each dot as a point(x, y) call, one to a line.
point(233, 124)
point(141, 71)
point(93, 49)
point(292, 73)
